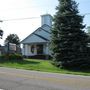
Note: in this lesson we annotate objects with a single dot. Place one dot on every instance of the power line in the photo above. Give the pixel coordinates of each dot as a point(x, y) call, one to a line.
point(14, 19)
point(19, 19)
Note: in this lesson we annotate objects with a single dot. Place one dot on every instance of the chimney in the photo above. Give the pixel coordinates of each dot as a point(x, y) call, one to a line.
point(46, 19)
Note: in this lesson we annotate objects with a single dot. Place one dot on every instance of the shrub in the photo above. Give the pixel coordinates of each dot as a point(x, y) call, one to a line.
point(11, 57)
point(2, 57)
point(15, 57)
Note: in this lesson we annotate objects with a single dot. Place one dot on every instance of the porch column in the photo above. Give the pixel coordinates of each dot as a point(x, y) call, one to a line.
point(23, 49)
point(47, 51)
point(26, 50)
point(35, 49)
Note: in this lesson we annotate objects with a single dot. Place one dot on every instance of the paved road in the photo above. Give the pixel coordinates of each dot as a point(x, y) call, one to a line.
point(16, 79)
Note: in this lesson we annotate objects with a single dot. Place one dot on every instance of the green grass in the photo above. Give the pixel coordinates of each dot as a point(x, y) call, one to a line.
point(39, 65)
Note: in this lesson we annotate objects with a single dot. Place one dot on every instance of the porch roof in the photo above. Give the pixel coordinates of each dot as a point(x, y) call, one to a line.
point(34, 39)
point(41, 35)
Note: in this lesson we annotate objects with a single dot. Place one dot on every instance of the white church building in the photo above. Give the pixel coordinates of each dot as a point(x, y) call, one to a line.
point(38, 42)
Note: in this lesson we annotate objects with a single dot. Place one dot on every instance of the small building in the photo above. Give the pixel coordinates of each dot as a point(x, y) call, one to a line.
point(38, 42)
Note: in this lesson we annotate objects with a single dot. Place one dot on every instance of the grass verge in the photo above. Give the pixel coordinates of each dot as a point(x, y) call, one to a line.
point(39, 65)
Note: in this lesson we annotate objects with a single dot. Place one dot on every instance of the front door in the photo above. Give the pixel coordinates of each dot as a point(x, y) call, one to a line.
point(40, 49)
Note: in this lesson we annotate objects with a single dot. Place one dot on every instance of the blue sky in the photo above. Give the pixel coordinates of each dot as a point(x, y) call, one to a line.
point(13, 9)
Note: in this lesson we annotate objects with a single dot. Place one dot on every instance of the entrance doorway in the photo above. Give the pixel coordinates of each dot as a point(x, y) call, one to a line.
point(40, 49)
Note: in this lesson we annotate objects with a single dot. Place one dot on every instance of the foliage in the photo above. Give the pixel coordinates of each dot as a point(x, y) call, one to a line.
point(11, 57)
point(69, 41)
point(12, 38)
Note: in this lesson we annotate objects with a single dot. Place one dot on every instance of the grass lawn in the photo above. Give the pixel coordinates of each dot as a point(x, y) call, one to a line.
point(39, 65)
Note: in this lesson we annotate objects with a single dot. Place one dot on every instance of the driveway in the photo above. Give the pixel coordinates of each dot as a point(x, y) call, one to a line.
point(17, 79)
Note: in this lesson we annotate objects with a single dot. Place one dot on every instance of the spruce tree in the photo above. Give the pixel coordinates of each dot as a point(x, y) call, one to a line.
point(69, 41)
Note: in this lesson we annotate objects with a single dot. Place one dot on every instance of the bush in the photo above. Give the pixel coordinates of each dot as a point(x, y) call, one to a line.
point(2, 57)
point(15, 57)
point(11, 57)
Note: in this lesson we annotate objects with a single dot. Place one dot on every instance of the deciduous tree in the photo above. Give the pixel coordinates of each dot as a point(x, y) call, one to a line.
point(13, 38)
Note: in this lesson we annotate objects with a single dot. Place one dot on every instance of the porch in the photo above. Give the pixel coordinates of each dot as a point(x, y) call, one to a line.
point(35, 49)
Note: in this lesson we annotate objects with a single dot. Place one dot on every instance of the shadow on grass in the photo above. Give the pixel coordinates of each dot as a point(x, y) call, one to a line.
point(19, 61)
point(75, 69)
point(79, 70)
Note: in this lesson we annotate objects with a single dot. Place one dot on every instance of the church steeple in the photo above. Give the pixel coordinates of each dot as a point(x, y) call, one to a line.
point(46, 19)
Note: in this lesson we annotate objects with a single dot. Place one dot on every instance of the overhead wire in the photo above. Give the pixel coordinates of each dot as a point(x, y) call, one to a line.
point(14, 19)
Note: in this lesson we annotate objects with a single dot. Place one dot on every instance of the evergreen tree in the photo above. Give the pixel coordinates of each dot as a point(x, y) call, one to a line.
point(69, 41)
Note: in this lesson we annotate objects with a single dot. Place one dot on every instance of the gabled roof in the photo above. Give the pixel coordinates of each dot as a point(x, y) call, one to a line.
point(41, 37)
point(33, 39)
point(35, 34)
point(46, 31)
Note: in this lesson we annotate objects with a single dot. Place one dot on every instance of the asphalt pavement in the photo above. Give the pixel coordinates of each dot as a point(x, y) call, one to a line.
point(18, 79)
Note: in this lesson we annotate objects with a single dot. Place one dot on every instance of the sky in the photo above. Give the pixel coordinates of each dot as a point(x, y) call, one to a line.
point(22, 17)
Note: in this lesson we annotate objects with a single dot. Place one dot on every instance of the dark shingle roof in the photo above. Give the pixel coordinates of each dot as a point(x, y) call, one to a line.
point(41, 37)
